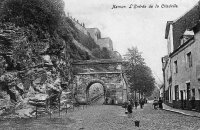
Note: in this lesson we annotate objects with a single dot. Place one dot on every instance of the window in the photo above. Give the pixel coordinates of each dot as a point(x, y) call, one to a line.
point(188, 91)
point(189, 59)
point(176, 93)
point(175, 67)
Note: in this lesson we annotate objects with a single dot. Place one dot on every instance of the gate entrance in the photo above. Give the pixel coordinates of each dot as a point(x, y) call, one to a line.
point(106, 72)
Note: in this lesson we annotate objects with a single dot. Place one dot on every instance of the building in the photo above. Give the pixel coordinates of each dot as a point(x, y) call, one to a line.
point(94, 33)
point(181, 66)
point(105, 42)
point(102, 42)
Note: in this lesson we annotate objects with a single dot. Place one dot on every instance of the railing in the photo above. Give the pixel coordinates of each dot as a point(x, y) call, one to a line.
point(46, 106)
point(93, 62)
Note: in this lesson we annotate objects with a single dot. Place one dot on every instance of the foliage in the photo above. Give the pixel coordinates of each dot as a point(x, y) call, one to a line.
point(97, 53)
point(155, 93)
point(101, 54)
point(105, 53)
point(138, 73)
point(45, 14)
point(87, 41)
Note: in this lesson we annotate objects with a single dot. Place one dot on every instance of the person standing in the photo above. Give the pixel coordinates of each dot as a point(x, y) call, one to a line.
point(136, 103)
point(141, 103)
point(132, 103)
point(129, 109)
point(160, 102)
point(155, 103)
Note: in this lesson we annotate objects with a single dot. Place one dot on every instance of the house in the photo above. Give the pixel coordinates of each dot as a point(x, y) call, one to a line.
point(181, 66)
point(102, 42)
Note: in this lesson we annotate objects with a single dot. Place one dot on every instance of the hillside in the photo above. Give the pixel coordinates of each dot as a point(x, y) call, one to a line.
point(37, 45)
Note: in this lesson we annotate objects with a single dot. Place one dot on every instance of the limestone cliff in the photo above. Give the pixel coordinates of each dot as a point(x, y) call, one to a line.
point(36, 50)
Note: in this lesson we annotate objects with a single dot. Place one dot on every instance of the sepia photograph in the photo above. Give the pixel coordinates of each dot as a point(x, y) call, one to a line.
point(99, 65)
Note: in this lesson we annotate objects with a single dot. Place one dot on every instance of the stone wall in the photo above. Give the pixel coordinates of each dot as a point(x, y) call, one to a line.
point(94, 33)
point(105, 42)
point(112, 83)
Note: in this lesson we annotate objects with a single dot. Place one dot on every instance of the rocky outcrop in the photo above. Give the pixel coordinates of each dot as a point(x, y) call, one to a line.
point(30, 70)
point(36, 50)
point(37, 45)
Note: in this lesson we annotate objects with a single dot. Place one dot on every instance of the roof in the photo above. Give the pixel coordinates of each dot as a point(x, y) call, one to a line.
point(186, 22)
point(189, 41)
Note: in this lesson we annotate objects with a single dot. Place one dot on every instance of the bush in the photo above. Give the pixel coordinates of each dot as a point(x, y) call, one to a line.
point(46, 14)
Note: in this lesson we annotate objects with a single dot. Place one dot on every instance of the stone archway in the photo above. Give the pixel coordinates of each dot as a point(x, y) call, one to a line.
point(93, 82)
point(106, 72)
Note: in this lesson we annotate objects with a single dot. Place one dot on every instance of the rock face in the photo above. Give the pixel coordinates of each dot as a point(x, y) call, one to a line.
point(28, 70)
point(36, 50)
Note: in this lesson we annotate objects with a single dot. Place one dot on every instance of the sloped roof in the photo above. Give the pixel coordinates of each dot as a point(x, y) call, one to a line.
point(187, 21)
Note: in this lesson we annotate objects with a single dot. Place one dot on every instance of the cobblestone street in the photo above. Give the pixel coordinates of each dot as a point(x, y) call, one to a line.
point(106, 117)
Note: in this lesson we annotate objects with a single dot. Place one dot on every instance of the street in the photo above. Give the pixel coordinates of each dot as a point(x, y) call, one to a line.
point(107, 117)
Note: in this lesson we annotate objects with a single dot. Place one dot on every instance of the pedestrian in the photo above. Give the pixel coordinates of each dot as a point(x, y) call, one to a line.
point(141, 103)
point(155, 103)
point(136, 104)
point(106, 100)
point(132, 103)
point(160, 102)
point(129, 109)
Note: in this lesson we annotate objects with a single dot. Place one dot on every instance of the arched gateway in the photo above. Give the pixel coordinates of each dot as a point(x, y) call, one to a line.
point(106, 72)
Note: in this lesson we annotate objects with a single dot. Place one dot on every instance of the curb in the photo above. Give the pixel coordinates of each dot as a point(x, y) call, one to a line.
point(179, 112)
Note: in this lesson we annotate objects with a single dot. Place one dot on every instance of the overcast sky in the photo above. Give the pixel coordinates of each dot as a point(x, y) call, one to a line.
point(141, 27)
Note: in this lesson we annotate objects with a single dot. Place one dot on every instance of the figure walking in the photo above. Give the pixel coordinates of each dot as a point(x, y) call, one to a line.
point(160, 102)
point(141, 103)
point(155, 103)
point(129, 109)
point(136, 104)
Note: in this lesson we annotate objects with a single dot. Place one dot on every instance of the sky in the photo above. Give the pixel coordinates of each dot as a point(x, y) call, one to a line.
point(143, 28)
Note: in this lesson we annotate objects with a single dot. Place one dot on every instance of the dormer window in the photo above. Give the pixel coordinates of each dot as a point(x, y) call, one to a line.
point(186, 36)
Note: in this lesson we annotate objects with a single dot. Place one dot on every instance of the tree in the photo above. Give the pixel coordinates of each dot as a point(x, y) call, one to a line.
point(139, 75)
point(97, 53)
point(105, 53)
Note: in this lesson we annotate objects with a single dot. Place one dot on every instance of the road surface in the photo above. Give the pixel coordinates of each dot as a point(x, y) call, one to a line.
point(107, 117)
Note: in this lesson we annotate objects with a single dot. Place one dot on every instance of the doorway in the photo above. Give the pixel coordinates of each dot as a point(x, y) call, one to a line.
point(182, 100)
